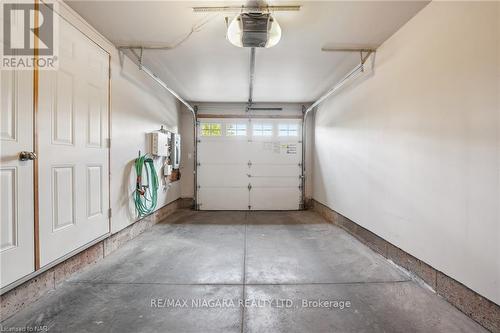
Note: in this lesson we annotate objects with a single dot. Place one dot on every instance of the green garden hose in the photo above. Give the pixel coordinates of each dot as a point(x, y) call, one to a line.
point(145, 195)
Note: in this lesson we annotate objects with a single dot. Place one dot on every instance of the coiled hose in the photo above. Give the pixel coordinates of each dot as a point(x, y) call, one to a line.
point(145, 195)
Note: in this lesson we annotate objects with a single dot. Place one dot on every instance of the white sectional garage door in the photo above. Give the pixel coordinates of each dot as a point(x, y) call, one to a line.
point(249, 164)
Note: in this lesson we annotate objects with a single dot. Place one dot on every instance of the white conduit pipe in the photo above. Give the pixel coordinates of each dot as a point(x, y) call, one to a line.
point(161, 83)
point(350, 76)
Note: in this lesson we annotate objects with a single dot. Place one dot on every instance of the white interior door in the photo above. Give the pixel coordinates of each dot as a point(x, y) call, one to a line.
point(249, 164)
point(17, 257)
point(73, 153)
point(16, 193)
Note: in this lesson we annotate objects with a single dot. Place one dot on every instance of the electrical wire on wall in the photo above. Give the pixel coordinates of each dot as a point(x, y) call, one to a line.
point(146, 193)
point(194, 29)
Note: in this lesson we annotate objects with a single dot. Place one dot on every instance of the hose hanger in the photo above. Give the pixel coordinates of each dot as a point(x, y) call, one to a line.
point(146, 190)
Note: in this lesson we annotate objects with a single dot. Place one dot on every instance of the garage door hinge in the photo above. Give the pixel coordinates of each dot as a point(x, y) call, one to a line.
point(249, 186)
point(249, 164)
point(110, 213)
point(249, 207)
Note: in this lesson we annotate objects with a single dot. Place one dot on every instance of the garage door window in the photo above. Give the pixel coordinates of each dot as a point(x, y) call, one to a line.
point(288, 129)
point(236, 129)
point(263, 129)
point(211, 129)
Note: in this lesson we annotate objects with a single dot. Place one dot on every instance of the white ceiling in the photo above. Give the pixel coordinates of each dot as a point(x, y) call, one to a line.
point(206, 67)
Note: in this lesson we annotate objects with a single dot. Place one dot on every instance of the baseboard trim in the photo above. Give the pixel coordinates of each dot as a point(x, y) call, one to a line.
point(475, 306)
point(36, 285)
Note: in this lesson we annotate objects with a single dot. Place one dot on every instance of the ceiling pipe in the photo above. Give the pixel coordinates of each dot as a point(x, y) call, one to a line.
point(355, 72)
point(158, 80)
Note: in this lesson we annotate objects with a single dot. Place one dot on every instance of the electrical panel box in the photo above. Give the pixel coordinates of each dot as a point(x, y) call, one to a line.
point(160, 144)
point(175, 155)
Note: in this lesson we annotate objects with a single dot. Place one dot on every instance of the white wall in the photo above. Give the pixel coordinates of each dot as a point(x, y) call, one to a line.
point(138, 106)
point(411, 151)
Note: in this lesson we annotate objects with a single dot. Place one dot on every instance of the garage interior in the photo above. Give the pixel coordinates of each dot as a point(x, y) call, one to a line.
point(225, 166)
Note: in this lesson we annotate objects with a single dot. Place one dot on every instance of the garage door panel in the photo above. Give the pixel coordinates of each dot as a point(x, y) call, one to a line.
point(222, 151)
point(223, 198)
point(221, 175)
point(275, 181)
point(283, 198)
point(274, 152)
point(270, 170)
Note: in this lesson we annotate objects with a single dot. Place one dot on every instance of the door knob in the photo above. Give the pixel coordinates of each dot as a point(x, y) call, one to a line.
point(27, 155)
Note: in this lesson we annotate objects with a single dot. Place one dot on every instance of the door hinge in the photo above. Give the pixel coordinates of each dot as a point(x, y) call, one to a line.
point(249, 207)
point(249, 164)
point(249, 186)
point(110, 213)
point(108, 143)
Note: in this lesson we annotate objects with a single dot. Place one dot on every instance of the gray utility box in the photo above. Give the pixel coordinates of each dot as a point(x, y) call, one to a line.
point(175, 153)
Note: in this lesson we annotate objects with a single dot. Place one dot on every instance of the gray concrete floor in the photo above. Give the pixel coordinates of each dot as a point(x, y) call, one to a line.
point(192, 275)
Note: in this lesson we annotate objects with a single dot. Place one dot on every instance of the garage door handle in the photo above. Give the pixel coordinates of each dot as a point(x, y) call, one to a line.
point(27, 155)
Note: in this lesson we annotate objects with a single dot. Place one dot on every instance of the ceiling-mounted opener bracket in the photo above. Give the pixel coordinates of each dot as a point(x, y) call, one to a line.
point(364, 53)
point(364, 58)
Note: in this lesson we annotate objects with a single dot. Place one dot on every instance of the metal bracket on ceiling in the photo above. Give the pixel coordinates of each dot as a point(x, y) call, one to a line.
point(138, 59)
point(364, 53)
